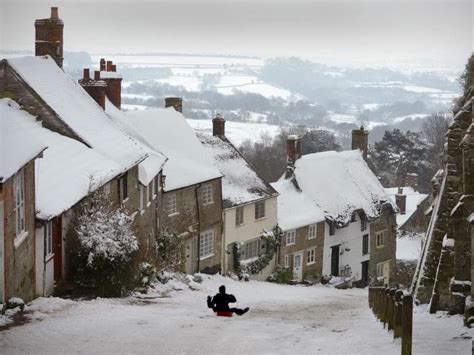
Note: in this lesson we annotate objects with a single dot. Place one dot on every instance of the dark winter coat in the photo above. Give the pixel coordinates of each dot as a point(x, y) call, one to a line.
point(220, 302)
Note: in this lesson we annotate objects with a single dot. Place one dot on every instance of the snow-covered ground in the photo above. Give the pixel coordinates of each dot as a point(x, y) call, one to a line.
point(282, 319)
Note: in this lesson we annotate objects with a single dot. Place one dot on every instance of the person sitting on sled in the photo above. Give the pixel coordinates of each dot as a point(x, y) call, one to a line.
point(220, 302)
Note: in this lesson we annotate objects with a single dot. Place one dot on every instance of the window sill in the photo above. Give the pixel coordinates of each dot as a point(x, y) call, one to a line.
point(379, 247)
point(49, 257)
point(311, 263)
point(173, 214)
point(207, 204)
point(20, 239)
point(289, 244)
point(312, 238)
point(206, 257)
point(261, 218)
point(240, 225)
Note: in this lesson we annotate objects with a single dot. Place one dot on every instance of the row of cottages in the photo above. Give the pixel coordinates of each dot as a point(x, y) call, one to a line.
point(85, 151)
point(337, 218)
point(192, 192)
point(249, 202)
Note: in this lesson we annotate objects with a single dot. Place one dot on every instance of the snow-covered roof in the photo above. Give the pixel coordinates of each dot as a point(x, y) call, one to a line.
point(295, 210)
point(68, 169)
point(167, 131)
point(18, 143)
point(240, 183)
point(414, 199)
point(151, 166)
point(340, 183)
point(78, 110)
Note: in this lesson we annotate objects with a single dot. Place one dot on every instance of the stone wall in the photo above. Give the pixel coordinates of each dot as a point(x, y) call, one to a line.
point(20, 254)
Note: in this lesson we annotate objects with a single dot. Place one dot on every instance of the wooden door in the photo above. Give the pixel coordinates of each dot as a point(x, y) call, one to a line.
point(57, 248)
point(335, 260)
point(365, 273)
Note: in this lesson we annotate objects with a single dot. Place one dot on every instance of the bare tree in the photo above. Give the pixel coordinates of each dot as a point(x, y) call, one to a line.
point(434, 129)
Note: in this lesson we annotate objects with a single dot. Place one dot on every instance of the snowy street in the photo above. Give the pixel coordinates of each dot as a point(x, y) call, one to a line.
point(282, 319)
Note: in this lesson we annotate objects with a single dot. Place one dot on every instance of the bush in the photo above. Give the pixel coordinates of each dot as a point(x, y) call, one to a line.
point(102, 247)
point(170, 250)
point(281, 275)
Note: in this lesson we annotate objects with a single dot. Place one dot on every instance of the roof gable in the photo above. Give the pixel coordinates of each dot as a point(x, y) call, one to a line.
point(240, 183)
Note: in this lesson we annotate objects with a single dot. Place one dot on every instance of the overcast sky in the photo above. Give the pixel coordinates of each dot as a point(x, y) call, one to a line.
point(346, 30)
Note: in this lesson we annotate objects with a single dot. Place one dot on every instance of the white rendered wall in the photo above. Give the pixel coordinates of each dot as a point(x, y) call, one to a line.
point(349, 237)
point(250, 229)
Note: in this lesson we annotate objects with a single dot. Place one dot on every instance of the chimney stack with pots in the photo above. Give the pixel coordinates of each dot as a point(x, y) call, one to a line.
point(218, 126)
point(360, 140)
point(49, 37)
point(176, 102)
point(108, 73)
point(401, 200)
point(95, 88)
point(411, 180)
point(293, 148)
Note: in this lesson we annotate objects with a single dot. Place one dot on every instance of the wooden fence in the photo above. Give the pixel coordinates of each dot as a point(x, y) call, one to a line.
point(394, 308)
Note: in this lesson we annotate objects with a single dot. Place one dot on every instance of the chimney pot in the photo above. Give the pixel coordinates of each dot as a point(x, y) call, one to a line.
point(109, 65)
point(218, 126)
point(86, 74)
point(102, 64)
point(54, 12)
point(96, 75)
point(401, 201)
point(360, 140)
point(292, 149)
point(176, 102)
point(114, 68)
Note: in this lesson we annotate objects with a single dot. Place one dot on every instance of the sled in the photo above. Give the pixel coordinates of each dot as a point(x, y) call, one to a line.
point(224, 313)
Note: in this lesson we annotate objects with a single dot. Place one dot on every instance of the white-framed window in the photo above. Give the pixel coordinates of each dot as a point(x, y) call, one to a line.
point(310, 256)
point(249, 249)
point(48, 243)
point(172, 205)
point(19, 203)
point(260, 210)
point(365, 244)
point(207, 197)
point(239, 216)
point(312, 231)
point(380, 239)
point(206, 244)
point(290, 237)
point(287, 261)
point(380, 270)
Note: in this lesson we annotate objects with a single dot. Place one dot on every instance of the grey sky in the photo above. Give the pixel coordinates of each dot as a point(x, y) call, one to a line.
point(347, 30)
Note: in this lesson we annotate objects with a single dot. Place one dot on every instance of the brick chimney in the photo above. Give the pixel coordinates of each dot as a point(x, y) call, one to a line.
point(410, 180)
point(108, 73)
point(218, 126)
point(360, 140)
point(401, 200)
point(49, 37)
point(176, 102)
point(293, 149)
point(95, 88)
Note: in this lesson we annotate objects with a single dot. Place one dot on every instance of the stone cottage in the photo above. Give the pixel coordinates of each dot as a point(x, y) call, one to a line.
point(192, 192)
point(17, 205)
point(347, 227)
point(249, 202)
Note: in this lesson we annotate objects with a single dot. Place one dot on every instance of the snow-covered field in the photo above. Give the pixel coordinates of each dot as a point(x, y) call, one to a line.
point(282, 320)
point(238, 132)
